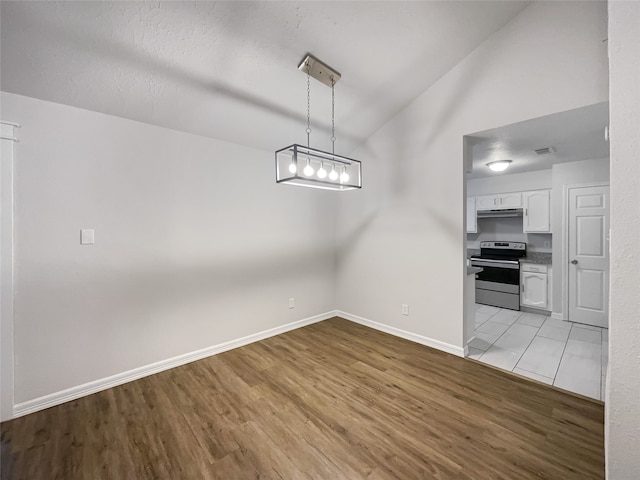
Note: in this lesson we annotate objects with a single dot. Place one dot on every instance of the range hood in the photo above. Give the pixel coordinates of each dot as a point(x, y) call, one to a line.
point(502, 213)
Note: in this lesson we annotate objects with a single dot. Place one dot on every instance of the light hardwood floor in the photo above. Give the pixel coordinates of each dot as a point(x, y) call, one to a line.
point(334, 400)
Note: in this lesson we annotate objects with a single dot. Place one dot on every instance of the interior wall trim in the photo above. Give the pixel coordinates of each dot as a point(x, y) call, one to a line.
point(413, 337)
point(62, 396)
point(7, 282)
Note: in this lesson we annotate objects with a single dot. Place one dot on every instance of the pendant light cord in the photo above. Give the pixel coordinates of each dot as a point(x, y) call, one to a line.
point(308, 104)
point(333, 116)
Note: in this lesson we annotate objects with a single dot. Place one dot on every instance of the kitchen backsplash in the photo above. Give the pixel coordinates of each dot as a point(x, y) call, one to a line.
point(508, 229)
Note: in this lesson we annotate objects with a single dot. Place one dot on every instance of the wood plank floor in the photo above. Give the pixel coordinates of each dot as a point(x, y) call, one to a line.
point(334, 400)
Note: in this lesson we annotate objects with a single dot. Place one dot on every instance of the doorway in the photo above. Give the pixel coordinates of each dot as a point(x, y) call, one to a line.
point(553, 162)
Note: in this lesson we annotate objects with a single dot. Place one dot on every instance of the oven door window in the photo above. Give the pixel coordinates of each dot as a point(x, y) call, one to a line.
point(500, 275)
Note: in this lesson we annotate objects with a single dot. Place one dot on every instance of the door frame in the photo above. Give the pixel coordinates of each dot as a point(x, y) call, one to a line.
point(8, 139)
point(566, 191)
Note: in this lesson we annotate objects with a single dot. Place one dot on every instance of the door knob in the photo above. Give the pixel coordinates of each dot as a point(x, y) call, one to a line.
point(574, 262)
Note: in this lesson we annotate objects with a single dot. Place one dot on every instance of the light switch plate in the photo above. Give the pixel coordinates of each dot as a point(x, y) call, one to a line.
point(87, 236)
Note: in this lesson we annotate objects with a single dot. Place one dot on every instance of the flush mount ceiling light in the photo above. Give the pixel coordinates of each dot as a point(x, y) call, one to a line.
point(309, 167)
point(499, 166)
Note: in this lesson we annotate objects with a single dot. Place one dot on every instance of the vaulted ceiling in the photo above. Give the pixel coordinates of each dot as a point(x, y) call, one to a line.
point(228, 70)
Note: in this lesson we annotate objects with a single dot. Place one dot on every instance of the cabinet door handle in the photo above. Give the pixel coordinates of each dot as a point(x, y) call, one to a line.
point(526, 212)
point(522, 288)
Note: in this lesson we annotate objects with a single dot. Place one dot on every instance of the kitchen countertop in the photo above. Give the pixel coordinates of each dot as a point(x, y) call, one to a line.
point(540, 258)
point(473, 270)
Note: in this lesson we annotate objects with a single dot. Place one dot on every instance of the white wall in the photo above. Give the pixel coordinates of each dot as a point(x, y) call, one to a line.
point(403, 239)
point(572, 173)
point(195, 245)
point(516, 182)
point(623, 389)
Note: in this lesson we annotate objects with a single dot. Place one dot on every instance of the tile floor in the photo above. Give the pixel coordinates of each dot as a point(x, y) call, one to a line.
point(568, 355)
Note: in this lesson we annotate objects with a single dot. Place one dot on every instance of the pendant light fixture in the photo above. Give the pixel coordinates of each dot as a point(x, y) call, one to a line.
point(304, 166)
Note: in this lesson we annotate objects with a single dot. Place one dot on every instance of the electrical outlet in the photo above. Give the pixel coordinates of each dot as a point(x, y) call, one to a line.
point(292, 302)
point(547, 244)
point(405, 309)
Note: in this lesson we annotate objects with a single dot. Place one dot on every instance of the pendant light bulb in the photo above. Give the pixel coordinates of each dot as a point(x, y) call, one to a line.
point(322, 173)
point(292, 167)
point(308, 170)
point(344, 177)
point(333, 175)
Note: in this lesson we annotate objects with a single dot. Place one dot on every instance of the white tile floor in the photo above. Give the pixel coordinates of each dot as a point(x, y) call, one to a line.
point(568, 355)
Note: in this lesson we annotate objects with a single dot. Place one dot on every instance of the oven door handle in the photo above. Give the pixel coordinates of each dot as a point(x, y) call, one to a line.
point(510, 264)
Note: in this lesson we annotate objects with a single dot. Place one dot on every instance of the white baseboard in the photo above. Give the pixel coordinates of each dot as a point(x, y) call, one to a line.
point(95, 386)
point(557, 316)
point(429, 342)
point(72, 393)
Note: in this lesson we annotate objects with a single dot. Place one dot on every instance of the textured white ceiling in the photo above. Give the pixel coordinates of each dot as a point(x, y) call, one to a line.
point(228, 70)
point(575, 135)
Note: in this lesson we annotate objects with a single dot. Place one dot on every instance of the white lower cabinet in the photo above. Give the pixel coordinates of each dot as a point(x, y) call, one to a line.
point(535, 286)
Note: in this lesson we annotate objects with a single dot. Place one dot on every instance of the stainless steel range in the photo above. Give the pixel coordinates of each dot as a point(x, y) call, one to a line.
point(499, 282)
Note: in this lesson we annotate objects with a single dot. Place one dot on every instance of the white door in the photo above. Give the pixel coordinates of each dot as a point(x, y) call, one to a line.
point(589, 255)
point(536, 211)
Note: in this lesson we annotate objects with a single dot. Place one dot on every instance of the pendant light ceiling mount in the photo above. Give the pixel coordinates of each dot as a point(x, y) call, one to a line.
point(309, 167)
point(319, 70)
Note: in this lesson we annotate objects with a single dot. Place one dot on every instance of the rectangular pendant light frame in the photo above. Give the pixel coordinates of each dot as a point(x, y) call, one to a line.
point(298, 155)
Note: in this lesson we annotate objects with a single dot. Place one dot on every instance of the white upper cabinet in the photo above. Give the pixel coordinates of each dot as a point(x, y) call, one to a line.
point(472, 218)
point(486, 202)
point(499, 201)
point(537, 211)
point(510, 200)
